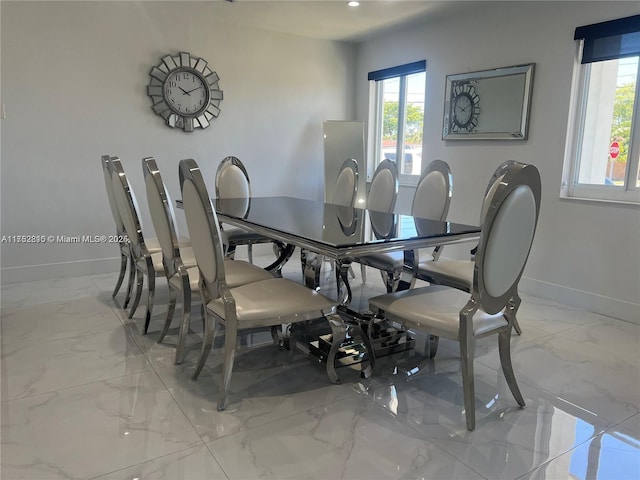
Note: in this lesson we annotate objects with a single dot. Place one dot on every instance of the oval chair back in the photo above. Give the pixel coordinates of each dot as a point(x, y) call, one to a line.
point(384, 187)
point(507, 235)
point(204, 229)
point(346, 188)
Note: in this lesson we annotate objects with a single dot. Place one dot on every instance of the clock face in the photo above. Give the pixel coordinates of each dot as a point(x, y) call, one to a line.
point(186, 92)
point(464, 108)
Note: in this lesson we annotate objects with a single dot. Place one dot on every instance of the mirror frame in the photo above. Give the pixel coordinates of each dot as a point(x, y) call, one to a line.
point(474, 78)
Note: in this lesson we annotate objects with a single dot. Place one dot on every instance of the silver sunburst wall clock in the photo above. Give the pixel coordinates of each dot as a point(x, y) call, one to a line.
point(185, 91)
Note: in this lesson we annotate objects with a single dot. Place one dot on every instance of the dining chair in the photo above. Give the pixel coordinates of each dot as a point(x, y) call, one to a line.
point(505, 242)
point(146, 261)
point(459, 273)
point(267, 303)
point(232, 181)
point(344, 194)
point(346, 187)
point(125, 251)
point(382, 196)
point(182, 273)
point(431, 201)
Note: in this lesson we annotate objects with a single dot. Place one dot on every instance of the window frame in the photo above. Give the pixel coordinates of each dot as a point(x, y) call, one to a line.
point(570, 187)
point(376, 112)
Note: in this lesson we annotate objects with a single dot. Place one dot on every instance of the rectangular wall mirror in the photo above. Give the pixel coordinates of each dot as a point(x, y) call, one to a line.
point(489, 104)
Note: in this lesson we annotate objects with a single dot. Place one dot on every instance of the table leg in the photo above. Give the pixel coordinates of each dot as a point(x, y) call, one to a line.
point(311, 266)
point(285, 252)
point(342, 278)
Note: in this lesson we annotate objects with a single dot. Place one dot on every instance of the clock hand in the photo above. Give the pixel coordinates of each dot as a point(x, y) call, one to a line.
point(185, 92)
point(192, 90)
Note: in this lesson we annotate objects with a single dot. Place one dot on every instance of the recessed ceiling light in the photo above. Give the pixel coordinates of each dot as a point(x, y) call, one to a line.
point(353, 4)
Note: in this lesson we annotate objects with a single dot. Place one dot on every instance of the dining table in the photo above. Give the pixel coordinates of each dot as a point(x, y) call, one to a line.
point(342, 234)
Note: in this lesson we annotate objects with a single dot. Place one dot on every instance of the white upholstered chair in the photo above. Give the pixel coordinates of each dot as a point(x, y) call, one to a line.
point(346, 187)
point(505, 242)
point(431, 201)
point(459, 273)
point(382, 196)
point(267, 303)
point(344, 194)
point(232, 181)
point(183, 276)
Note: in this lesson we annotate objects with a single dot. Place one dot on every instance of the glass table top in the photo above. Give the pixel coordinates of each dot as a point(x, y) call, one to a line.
point(334, 225)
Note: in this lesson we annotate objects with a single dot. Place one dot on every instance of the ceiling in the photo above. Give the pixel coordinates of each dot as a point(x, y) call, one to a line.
point(329, 19)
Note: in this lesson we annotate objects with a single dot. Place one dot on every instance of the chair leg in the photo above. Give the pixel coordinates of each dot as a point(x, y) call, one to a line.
point(363, 273)
point(338, 334)
point(250, 253)
point(391, 280)
point(184, 324)
point(230, 339)
point(151, 291)
point(132, 276)
point(512, 309)
point(123, 268)
point(504, 347)
point(136, 300)
point(467, 353)
point(207, 341)
point(170, 311)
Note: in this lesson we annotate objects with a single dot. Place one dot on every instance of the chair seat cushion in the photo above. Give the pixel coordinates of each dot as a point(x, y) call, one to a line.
point(273, 301)
point(156, 258)
point(239, 236)
point(153, 245)
point(434, 309)
point(383, 261)
point(393, 261)
point(237, 272)
point(454, 273)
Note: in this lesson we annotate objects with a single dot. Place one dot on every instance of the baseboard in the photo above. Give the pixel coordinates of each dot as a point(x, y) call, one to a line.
point(611, 307)
point(30, 273)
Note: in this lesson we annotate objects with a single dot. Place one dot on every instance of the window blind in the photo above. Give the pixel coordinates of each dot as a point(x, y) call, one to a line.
point(406, 69)
point(610, 40)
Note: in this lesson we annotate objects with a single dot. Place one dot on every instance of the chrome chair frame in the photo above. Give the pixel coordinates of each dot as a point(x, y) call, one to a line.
point(145, 261)
point(162, 216)
point(236, 236)
point(311, 262)
point(125, 250)
point(182, 274)
point(513, 211)
point(458, 273)
point(291, 302)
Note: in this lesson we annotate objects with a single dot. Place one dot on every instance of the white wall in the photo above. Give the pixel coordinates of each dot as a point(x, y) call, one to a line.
point(584, 253)
point(74, 78)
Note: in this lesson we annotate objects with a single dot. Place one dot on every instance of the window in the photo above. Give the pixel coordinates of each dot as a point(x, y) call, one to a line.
point(397, 113)
point(604, 141)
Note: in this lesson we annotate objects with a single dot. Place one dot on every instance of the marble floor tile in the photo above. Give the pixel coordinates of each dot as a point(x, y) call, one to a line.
point(93, 429)
point(612, 455)
point(191, 464)
point(55, 320)
point(348, 439)
point(594, 366)
point(47, 365)
point(87, 395)
point(508, 441)
point(46, 291)
point(267, 385)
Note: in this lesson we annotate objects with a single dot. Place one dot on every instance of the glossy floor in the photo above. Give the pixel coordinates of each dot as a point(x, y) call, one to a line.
point(85, 395)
